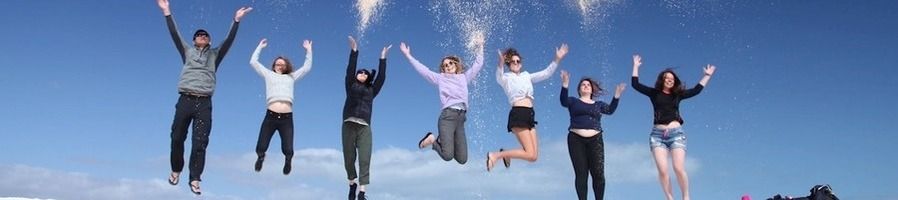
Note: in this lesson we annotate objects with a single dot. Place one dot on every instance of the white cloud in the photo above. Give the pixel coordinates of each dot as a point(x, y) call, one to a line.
point(19, 198)
point(21, 180)
point(318, 174)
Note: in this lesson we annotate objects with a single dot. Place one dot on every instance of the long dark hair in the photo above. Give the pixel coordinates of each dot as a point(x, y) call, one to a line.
point(677, 88)
point(596, 87)
point(289, 65)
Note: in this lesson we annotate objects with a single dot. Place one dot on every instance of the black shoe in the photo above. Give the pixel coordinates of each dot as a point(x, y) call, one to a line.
point(352, 188)
point(362, 196)
point(288, 165)
point(259, 163)
point(505, 161)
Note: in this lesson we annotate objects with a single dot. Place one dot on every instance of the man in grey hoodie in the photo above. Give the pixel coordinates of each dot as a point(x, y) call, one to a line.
point(196, 86)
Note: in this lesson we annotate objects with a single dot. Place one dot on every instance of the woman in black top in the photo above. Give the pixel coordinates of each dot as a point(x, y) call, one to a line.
point(667, 135)
point(362, 86)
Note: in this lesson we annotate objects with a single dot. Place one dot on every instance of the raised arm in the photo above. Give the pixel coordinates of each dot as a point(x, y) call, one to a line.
point(382, 67)
point(307, 64)
point(709, 70)
point(609, 109)
point(229, 40)
point(254, 59)
point(428, 75)
point(173, 29)
point(500, 70)
point(546, 73)
point(637, 62)
point(565, 100)
point(353, 61)
point(478, 64)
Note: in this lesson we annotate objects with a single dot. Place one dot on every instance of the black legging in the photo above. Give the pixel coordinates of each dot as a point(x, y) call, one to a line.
point(283, 124)
point(588, 158)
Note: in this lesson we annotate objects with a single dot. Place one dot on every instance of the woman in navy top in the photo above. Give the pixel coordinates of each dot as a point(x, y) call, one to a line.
point(667, 135)
point(584, 140)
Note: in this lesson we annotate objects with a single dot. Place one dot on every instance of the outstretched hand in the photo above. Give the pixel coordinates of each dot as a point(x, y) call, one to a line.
point(565, 78)
point(307, 44)
point(241, 12)
point(619, 90)
point(637, 60)
point(383, 53)
point(405, 48)
point(163, 4)
point(709, 70)
point(560, 52)
point(263, 43)
point(352, 44)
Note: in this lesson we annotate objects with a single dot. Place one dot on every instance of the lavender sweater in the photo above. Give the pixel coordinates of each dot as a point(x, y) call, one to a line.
point(453, 88)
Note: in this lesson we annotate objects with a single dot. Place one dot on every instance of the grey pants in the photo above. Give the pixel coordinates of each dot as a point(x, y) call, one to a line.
point(357, 137)
point(451, 142)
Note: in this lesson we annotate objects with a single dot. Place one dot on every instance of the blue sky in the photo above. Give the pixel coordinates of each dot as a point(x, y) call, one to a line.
point(803, 95)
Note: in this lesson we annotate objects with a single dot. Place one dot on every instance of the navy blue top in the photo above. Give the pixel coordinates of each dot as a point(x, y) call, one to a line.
point(585, 115)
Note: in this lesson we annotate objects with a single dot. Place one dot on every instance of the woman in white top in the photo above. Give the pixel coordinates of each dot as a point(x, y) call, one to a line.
point(279, 96)
point(518, 86)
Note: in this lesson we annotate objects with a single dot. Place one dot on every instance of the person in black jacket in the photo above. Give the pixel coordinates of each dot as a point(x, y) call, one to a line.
point(360, 92)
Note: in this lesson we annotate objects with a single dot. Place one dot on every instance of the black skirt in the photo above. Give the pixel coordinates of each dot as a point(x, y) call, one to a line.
point(521, 117)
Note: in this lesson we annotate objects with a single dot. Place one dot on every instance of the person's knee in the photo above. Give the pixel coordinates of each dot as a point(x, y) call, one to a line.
point(680, 169)
point(447, 156)
point(532, 157)
point(663, 173)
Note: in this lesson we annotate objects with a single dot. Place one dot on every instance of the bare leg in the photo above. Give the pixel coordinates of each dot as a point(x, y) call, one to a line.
point(679, 159)
point(530, 148)
point(660, 154)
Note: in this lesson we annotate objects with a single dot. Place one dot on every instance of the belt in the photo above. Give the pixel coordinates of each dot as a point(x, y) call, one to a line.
point(194, 95)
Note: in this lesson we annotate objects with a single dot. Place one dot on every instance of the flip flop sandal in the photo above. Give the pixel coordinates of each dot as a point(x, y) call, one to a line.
point(172, 179)
point(195, 188)
point(488, 168)
point(422, 140)
point(505, 161)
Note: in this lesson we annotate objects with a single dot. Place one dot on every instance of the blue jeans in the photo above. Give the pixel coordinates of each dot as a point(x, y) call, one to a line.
point(670, 138)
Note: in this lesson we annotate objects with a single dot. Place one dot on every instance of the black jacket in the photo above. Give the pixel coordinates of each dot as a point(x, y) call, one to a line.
point(360, 96)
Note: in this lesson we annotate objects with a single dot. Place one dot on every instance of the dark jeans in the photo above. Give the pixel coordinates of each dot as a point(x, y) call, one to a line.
point(199, 111)
point(451, 142)
point(588, 158)
point(283, 124)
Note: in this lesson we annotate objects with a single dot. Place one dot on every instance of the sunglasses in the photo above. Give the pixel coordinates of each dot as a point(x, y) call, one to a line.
point(449, 63)
point(201, 34)
point(362, 72)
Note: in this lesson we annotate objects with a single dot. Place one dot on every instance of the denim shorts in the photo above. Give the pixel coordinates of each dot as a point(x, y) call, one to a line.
point(671, 138)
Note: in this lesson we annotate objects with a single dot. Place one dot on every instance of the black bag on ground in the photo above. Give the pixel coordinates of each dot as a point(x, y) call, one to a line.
point(818, 192)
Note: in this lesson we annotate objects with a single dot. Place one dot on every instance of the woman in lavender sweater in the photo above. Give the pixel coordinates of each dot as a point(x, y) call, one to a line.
point(452, 82)
point(279, 96)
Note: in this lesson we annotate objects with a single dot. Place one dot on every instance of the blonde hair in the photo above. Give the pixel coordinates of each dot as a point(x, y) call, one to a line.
point(458, 64)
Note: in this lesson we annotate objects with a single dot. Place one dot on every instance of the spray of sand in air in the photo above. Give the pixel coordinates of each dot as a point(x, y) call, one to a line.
point(473, 20)
point(593, 25)
point(369, 11)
